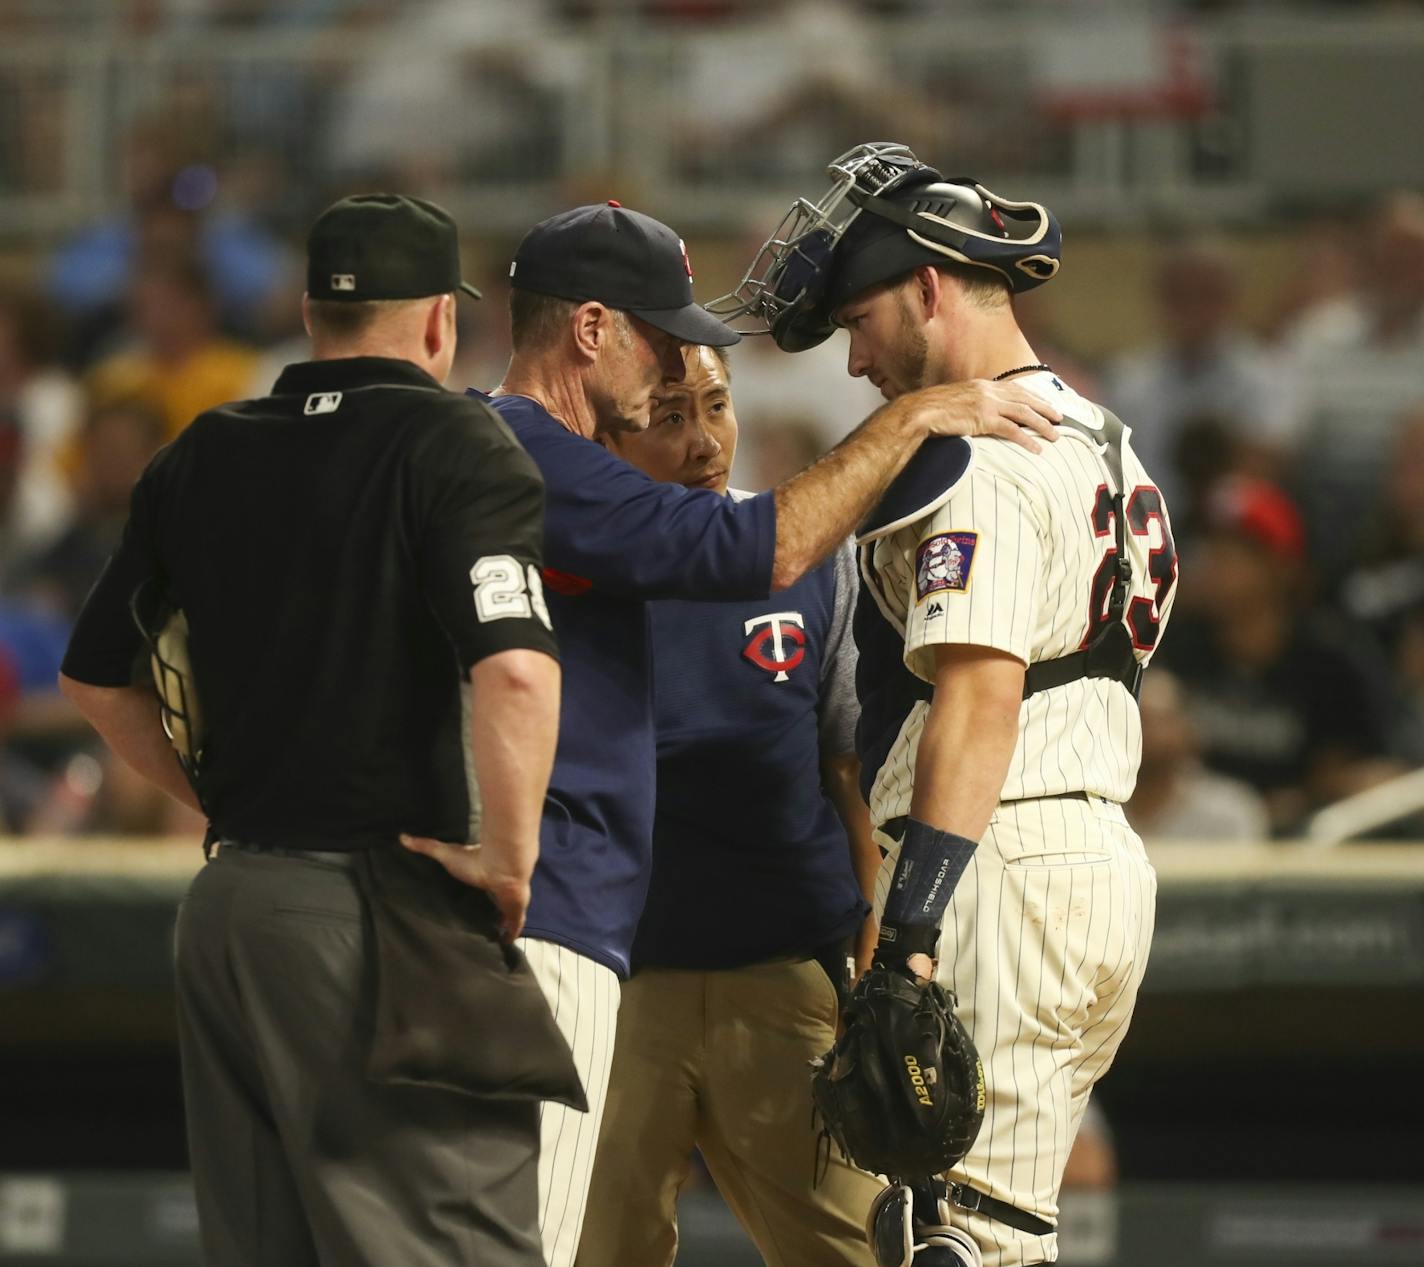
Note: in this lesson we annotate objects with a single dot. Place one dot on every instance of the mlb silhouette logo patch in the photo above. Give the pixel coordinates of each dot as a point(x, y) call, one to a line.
point(943, 563)
point(322, 403)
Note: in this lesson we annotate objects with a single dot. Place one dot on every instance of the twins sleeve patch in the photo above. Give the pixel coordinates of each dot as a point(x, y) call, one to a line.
point(943, 562)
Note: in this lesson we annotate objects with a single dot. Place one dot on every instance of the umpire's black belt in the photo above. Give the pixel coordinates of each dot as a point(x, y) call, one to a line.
point(330, 857)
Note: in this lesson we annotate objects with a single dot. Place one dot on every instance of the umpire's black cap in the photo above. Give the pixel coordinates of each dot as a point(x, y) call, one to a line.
point(621, 258)
point(383, 246)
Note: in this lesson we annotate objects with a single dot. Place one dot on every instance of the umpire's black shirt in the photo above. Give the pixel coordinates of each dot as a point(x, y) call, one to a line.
point(345, 549)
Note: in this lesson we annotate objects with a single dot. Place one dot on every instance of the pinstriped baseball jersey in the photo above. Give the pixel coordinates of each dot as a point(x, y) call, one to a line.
point(1018, 555)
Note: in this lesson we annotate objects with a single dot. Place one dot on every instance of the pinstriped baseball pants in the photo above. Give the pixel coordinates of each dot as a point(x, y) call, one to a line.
point(583, 995)
point(1045, 944)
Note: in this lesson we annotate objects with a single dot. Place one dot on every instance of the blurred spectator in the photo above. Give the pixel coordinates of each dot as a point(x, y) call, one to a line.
point(1177, 798)
point(1385, 309)
point(788, 86)
point(455, 89)
point(1281, 696)
point(1389, 579)
point(95, 794)
point(10, 458)
point(1357, 382)
point(777, 448)
point(22, 785)
point(178, 361)
point(1207, 453)
point(1318, 304)
point(1384, 593)
point(1088, 1219)
point(43, 404)
point(116, 444)
point(1040, 326)
point(1092, 1161)
point(175, 206)
point(1206, 364)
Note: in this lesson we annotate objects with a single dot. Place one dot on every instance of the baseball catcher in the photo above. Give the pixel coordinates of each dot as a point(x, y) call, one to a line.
point(1009, 605)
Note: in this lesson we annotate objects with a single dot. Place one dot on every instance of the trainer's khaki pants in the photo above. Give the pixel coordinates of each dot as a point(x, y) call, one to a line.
point(720, 1061)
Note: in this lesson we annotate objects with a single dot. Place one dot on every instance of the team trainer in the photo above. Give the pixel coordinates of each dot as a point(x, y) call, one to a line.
point(356, 558)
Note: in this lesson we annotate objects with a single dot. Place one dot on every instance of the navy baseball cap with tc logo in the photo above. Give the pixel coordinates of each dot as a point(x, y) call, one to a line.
point(383, 246)
point(622, 258)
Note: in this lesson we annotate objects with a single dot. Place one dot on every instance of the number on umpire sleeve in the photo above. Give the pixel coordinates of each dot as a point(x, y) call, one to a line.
point(536, 596)
point(499, 588)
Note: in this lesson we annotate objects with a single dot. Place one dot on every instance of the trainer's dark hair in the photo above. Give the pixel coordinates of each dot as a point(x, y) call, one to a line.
point(725, 356)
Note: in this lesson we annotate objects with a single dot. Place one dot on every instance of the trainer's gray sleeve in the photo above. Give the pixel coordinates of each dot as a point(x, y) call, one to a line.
point(839, 709)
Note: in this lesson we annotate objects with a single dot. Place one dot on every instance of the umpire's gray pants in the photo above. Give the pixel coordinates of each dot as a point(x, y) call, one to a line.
point(297, 1158)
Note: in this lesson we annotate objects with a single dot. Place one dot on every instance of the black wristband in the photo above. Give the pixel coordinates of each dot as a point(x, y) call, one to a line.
point(899, 941)
point(929, 866)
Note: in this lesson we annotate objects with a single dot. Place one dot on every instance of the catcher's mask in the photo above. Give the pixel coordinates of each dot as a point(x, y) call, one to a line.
point(824, 253)
point(165, 629)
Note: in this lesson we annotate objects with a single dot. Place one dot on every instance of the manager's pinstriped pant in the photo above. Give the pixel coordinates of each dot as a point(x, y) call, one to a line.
point(583, 995)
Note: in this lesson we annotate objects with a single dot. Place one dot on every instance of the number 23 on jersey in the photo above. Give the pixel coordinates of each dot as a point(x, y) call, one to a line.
point(1144, 615)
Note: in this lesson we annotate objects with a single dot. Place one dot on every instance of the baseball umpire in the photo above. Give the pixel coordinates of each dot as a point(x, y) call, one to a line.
point(761, 853)
point(601, 307)
point(1009, 603)
point(362, 1057)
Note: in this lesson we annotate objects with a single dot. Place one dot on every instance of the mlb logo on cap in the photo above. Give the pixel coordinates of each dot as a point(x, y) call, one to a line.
point(400, 248)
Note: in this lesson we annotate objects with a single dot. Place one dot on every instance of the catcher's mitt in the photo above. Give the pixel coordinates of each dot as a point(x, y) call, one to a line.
point(902, 1091)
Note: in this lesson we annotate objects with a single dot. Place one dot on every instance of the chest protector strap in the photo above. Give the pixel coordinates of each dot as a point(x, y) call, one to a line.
point(1109, 654)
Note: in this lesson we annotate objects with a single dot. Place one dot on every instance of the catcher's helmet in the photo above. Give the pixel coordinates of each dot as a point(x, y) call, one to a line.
point(885, 214)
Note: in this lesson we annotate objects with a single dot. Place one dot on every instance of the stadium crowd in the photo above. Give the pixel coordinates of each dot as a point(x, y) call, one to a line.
point(1291, 448)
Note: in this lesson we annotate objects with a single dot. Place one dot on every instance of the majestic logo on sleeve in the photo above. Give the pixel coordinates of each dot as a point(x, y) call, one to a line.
point(776, 642)
point(943, 562)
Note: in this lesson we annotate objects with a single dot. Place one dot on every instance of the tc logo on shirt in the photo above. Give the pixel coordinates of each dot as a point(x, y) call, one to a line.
point(776, 642)
point(943, 561)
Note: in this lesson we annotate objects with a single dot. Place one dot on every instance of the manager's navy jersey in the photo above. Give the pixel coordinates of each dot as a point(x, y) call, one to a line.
point(344, 550)
point(750, 859)
point(614, 538)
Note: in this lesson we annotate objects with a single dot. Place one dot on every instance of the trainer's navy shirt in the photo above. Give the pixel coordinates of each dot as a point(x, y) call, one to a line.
point(614, 538)
point(321, 542)
point(750, 859)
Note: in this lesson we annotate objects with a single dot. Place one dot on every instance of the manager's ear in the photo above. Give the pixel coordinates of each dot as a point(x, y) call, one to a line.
point(591, 327)
point(306, 313)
